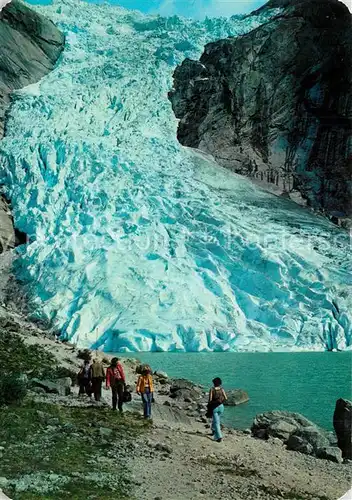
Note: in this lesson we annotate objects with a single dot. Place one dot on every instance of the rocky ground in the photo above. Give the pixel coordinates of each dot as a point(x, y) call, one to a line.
point(53, 446)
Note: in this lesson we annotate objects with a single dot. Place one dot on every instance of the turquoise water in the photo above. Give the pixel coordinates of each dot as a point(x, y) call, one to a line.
point(307, 383)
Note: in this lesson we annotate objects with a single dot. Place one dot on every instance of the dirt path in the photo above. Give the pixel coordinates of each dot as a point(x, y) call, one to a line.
point(239, 468)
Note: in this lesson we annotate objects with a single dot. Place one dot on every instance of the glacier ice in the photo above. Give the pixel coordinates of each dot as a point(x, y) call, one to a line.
point(138, 243)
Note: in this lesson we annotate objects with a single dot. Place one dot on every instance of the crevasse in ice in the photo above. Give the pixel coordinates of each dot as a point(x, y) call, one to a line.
point(138, 243)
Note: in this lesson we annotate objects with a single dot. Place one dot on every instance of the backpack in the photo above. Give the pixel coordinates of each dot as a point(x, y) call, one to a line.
point(218, 396)
point(217, 400)
point(127, 396)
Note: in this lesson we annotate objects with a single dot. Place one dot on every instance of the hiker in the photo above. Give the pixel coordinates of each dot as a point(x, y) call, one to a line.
point(97, 376)
point(217, 396)
point(145, 389)
point(84, 379)
point(115, 378)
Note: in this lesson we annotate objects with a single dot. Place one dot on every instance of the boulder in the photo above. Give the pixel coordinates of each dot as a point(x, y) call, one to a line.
point(236, 397)
point(297, 432)
point(273, 423)
point(343, 427)
point(297, 443)
point(161, 375)
point(61, 386)
point(282, 430)
point(332, 453)
point(184, 389)
point(314, 436)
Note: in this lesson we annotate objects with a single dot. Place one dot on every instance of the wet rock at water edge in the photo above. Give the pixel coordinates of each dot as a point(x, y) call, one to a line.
point(236, 397)
point(297, 432)
point(182, 388)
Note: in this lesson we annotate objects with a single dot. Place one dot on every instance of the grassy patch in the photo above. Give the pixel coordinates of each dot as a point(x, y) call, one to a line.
point(17, 357)
point(79, 446)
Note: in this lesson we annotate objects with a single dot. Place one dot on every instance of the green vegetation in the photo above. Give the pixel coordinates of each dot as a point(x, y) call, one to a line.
point(49, 451)
point(13, 389)
point(17, 357)
point(56, 451)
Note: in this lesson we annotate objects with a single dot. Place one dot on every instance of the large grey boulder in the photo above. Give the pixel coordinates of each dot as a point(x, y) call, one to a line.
point(314, 436)
point(184, 389)
point(275, 104)
point(297, 432)
point(236, 397)
point(280, 424)
point(343, 426)
point(331, 453)
point(61, 386)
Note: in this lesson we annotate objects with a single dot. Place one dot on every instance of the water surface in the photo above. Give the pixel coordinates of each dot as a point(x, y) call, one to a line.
point(307, 383)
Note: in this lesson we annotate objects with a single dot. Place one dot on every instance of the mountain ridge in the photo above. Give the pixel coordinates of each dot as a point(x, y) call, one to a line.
point(275, 104)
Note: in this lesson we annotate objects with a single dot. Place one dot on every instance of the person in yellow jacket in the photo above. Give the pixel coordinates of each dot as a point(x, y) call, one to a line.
point(145, 389)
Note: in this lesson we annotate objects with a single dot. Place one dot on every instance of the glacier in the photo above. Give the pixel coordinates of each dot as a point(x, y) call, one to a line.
point(137, 243)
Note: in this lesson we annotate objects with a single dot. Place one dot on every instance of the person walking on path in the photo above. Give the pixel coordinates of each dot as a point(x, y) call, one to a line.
point(145, 389)
point(98, 376)
point(115, 378)
point(84, 379)
point(217, 397)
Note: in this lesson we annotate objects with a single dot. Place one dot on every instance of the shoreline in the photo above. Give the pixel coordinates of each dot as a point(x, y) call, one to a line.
point(186, 463)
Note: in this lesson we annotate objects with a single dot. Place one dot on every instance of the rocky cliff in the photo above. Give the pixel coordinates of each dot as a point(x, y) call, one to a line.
point(30, 45)
point(276, 104)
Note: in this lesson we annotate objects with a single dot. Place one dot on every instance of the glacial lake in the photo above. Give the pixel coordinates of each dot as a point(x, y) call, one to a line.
point(307, 382)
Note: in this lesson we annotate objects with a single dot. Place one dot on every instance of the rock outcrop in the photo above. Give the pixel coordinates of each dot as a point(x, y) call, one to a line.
point(343, 426)
point(236, 397)
point(276, 104)
point(7, 231)
point(298, 433)
point(30, 45)
point(61, 386)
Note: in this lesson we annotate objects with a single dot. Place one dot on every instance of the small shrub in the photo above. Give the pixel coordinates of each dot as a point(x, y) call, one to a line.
point(63, 372)
point(13, 388)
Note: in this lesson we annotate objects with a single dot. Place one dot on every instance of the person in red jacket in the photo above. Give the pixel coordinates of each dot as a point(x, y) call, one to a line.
point(115, 378)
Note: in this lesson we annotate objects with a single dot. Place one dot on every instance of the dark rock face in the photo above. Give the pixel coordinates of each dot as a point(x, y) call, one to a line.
point(7, 231)
point(276, 103)
point(30, 45)
point(343, 427)
point(297, 432)
point(184, 389)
